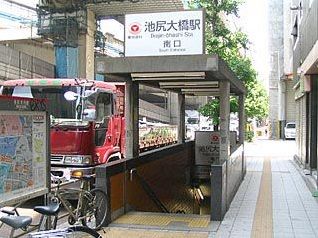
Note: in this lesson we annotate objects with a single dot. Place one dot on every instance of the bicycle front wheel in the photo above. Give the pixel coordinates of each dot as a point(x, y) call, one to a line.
point(94, 209)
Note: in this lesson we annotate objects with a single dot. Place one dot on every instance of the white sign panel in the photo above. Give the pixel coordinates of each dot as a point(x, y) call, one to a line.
point(207, 147)
point(168, 33)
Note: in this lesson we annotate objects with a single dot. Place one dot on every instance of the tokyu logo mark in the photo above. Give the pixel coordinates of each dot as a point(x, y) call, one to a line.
point(215, 138)
point(135, 28)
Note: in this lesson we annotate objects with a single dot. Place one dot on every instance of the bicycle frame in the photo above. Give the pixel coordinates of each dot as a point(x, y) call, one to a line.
point(75, 214)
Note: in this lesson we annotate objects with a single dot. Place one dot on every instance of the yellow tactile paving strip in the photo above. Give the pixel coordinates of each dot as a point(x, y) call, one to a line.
point(136, 233)
point(162, 220)
point(263, 216)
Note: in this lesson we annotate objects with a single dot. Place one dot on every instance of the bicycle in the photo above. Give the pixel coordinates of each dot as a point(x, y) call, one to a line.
point(16, 222)
point(91, 208)
point(75, 231)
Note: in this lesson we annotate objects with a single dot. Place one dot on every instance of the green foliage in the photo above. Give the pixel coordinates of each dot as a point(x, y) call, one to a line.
point(212, 109)
point(249, 135)
point(230, 45)
point(256, 102)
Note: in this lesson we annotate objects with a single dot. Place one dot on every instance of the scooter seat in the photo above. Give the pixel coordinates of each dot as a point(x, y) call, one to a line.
point(49, 210)
point(16, 222)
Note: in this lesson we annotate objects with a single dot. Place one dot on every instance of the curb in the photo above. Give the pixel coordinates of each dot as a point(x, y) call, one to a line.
point(307, 176)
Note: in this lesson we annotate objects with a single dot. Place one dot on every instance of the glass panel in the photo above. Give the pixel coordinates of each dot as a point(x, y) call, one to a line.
point(104, 110)
point(291, 125)
point(104, 106)
point(64, 110)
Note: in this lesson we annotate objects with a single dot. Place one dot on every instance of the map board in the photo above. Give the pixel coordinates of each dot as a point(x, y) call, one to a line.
point(23, 150)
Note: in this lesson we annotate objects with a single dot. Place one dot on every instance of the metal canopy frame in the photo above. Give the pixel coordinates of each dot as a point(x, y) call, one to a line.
point(194, 75)
point(204, 75)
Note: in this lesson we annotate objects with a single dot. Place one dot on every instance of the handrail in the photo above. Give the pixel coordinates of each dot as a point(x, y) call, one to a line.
point(146, 187)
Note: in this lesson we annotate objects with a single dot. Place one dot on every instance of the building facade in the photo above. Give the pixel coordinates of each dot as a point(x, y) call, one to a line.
point(276, 22)
point(305, 73)
point(281, 94)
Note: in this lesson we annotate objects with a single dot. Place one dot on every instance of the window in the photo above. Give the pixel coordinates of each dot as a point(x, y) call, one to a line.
point(55, 95)
point(294, 32)
point(290, 125)
point(104, 110)
point(104, 106)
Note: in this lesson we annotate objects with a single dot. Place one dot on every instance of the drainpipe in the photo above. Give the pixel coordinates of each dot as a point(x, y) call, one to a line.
point(282, 106)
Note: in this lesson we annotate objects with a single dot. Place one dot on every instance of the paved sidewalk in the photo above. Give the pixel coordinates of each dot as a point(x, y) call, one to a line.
point(290, 211)
point(272, 201)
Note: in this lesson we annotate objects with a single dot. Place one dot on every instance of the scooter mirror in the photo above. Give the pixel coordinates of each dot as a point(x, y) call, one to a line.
point(70, 96)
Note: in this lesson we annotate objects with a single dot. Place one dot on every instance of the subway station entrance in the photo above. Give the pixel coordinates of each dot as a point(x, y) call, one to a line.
point(162, 188)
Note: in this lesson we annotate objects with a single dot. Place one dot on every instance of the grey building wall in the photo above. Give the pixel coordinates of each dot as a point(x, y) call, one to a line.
point(153, 112)
point(290, 101)
point(304, 22)
point(305, 71)
point(37, 48)
point(276, 49)
point(281, 92)
point(288, 38)
point(308, 29)
point(16, 64)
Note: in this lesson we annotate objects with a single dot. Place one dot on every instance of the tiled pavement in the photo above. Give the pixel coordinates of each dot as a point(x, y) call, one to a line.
point(157, 225)
point(116, 232)
point(294, 209)
point(273, 201)
point(291, 209)
point(238, 221)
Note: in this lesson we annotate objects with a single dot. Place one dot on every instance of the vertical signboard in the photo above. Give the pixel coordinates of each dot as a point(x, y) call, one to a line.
point(23, 149)
point(168, 33)
point(207, 152)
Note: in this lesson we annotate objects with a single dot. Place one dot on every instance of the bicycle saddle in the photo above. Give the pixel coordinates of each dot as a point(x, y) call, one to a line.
point(17, 222)
point(49, 210)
